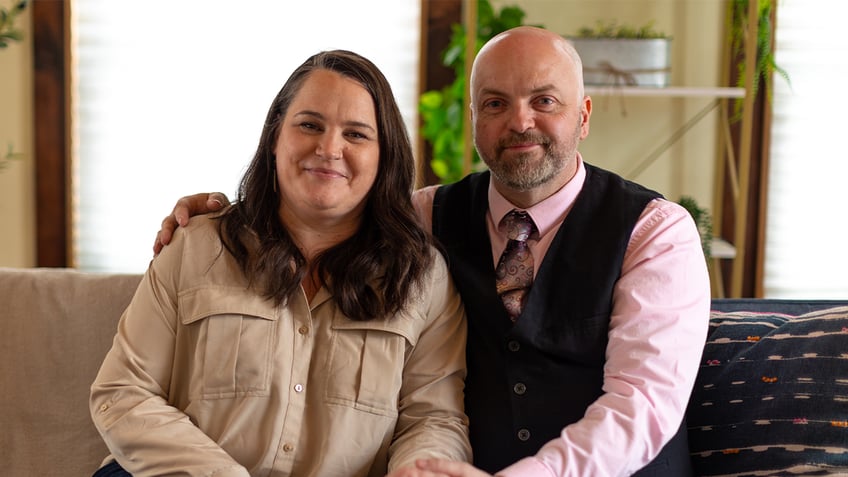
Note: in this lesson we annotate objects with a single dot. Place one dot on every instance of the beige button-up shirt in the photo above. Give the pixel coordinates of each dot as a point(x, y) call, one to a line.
point(206, 377)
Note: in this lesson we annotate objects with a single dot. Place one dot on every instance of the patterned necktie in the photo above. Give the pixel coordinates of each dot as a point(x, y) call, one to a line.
point(515, 268)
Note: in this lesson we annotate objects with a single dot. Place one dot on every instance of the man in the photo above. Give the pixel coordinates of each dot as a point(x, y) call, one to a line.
point(589, 372)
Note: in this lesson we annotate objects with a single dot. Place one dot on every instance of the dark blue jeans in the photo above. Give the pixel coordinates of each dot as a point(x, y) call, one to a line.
point(112, 469)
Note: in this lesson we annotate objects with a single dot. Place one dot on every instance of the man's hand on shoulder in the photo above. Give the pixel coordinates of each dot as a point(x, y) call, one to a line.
point(186, 208)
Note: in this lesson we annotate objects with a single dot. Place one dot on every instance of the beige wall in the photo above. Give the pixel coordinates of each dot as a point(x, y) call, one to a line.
point(625, 130)
point(617, 141)
point(17, 180)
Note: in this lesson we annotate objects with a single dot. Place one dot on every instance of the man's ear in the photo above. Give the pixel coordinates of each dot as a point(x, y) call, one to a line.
point(585, 114)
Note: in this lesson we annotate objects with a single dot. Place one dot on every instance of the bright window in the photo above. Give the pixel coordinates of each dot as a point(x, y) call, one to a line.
point(806, 230)
point(170, 98)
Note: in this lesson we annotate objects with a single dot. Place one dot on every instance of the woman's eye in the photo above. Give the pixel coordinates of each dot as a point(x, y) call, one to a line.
point(308, 125)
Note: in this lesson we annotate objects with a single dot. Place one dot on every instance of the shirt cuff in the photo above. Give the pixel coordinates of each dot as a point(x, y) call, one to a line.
point(527, 467)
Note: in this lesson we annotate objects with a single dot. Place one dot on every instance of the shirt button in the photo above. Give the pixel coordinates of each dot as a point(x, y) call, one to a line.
point(104, 407)
point(288, 447)
point(303, 330)
point(298, 388)
point(519, 388)
point(523, 435)
point(513, 345)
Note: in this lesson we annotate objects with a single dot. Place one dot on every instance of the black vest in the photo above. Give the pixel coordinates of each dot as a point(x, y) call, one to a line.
point(527, 381)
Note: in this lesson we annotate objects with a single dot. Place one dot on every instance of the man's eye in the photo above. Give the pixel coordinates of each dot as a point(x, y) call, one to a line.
point(546, 101)
point(494, 103)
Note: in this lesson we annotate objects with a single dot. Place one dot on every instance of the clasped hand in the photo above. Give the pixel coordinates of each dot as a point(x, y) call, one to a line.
point(439, 468)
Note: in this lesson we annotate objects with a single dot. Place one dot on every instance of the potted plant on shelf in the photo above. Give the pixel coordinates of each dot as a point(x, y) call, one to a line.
point(621, 55)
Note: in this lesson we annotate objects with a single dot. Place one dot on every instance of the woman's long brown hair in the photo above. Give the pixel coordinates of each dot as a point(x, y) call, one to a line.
point(372, 273)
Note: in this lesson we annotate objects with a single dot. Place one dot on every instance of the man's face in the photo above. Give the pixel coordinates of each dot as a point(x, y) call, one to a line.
point(528, 111)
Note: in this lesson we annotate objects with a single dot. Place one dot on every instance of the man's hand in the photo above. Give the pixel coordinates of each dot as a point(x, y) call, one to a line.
point(186, 207)
point(450, 468)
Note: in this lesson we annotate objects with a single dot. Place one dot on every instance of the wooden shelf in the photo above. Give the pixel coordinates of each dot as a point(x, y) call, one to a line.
point(668, 92)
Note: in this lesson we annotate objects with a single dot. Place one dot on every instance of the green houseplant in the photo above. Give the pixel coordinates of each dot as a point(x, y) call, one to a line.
point(703, 220)
point(9, 33)
point(442, 111)
point(613, 29)
point(764, 66)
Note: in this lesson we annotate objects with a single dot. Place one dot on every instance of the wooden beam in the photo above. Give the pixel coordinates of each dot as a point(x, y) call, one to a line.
point(51, 145)
point(740, 224)
point(469, 19)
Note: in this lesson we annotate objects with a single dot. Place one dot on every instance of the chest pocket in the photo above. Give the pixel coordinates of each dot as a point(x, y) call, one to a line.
point(226, 338)
point(366, 363)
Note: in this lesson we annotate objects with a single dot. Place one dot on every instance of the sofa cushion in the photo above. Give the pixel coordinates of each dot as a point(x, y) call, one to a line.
point(58, 325)
point(771, 397)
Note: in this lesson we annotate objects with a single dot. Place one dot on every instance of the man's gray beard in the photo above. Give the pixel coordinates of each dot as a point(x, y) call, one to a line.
point(522, 172)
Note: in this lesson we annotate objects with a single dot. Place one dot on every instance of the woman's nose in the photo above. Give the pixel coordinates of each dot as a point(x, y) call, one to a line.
point(330, 147)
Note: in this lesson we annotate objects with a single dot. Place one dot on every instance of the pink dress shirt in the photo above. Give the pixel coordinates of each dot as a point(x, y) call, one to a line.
point(657, 331)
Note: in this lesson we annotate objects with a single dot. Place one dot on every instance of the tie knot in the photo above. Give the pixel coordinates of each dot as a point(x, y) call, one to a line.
point(517, 225)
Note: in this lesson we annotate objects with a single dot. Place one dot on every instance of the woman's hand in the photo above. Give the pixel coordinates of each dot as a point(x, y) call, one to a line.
point(449, 468)
point(414, 472)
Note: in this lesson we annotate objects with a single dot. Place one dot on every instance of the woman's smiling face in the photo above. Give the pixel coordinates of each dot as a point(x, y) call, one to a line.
point(327, 152)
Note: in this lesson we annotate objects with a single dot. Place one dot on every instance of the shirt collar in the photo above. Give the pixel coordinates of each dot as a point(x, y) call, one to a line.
point(548, 213)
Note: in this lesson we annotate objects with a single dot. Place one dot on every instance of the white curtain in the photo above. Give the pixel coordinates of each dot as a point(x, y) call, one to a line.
point(806, 253)
point(170, 97)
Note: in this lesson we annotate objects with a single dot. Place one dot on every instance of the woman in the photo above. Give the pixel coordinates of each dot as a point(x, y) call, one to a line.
point(311, 328)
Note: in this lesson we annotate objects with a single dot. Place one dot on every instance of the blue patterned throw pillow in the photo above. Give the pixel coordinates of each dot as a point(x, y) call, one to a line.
point(771, 397)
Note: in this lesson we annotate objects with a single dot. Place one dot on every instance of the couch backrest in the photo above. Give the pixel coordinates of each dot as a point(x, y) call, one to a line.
point(57, 326)
point(774, 305)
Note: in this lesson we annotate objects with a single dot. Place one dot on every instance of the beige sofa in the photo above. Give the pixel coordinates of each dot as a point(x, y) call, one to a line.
point(59, 323)
point(57, 326)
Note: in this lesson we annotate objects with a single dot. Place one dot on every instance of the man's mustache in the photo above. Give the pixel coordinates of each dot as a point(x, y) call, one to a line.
point(525, 138)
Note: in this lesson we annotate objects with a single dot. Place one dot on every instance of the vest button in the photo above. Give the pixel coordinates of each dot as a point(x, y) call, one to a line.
point(523, 435)
point(513, 345)
point(519, 388)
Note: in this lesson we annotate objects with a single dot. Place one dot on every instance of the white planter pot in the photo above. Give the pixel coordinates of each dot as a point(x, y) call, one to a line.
point(625, 62)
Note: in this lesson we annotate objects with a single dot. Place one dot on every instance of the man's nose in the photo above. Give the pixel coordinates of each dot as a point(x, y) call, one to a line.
point(521, 118)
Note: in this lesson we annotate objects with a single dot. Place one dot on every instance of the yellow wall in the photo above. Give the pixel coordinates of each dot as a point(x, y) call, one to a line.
point(617, 140)
point(17, 180)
